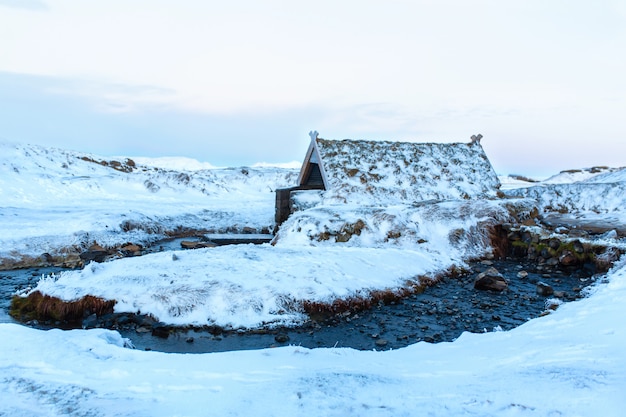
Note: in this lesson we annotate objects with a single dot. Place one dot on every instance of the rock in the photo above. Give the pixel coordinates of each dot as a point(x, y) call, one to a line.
point(123, 320)
point(381, 342)
point(147, 320)
point(90, 322)
point(161, 330)
point(554, 243)
point(189, 340)
point(491, 279)
point(189, 244)
point(552, 262)
point(561, 230)
point(281, 337)
point(522, 274)
point(544, 289)
point(567, 258)
point(95, 253)
point(131, 250)
point(605, 260)
point(578, 246)
point(214, 330)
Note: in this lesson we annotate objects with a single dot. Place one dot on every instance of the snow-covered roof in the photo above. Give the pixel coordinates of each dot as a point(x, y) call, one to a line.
point(400, 171)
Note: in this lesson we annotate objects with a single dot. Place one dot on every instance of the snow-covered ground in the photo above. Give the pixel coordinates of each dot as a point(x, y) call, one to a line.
point(569, 363)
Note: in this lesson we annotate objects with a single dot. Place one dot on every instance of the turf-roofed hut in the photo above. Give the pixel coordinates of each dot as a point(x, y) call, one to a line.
point(383, 172)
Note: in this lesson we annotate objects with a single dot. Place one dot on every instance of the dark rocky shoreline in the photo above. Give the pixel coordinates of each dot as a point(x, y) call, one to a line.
point(439, 314)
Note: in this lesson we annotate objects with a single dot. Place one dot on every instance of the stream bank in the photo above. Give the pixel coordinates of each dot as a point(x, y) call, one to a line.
point(540, 273)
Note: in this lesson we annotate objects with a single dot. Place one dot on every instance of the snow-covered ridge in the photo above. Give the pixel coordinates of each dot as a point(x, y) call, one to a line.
point(594, 191)
point(581, 196)
point(584, 174)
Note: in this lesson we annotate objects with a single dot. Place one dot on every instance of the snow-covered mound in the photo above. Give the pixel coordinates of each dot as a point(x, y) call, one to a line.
point(249, 287)
point(577, 175)
point(612, 176)
point(52, 199)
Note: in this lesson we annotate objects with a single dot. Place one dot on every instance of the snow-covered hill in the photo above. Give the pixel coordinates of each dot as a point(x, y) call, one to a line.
point(597, 195)
point(577, 175)
point(55, 199)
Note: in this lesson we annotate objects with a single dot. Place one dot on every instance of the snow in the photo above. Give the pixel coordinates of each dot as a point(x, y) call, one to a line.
point(510, 182)
point(174, 163)
point(577, 175)
point(213, 286)
point(568, 363)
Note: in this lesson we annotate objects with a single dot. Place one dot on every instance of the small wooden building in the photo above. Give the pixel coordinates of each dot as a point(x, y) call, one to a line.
point(383, 172)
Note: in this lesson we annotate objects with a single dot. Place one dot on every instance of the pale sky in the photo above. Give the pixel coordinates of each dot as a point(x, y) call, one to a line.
point(238, 82)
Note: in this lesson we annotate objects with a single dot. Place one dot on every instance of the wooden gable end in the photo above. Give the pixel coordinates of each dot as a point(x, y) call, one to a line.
point(311, 174)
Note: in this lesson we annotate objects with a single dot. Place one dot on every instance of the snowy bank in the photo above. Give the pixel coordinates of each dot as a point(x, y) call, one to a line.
point(569, 363)
point(236, 286)
point(320, 255)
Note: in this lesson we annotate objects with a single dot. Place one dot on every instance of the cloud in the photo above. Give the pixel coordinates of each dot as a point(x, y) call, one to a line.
point(25, 4)
point(114, 97)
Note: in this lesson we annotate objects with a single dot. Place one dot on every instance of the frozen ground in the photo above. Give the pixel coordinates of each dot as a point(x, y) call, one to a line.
point(569, 363)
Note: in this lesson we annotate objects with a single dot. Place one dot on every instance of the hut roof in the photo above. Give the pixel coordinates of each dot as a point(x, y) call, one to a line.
point(404, 171)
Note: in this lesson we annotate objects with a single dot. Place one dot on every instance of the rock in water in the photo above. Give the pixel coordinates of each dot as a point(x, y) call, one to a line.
point(281, 338)
point(492, 280)
point(544, 289)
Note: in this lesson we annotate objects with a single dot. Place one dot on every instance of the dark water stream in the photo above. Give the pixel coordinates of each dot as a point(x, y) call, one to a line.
point(440, 313)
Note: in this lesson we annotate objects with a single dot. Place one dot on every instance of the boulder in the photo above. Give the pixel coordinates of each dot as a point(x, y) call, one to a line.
point(605, 260)
point(552, 262)
point(544, 289)
point(95, 253)
point(491, 280)
point(554, 243)
point(567, 258)
point(281, 338)
point(131, 250)
point(578, 246)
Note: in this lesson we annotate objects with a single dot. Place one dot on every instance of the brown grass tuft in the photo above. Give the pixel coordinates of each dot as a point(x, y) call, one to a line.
point(322, 311)
point(44, 307)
